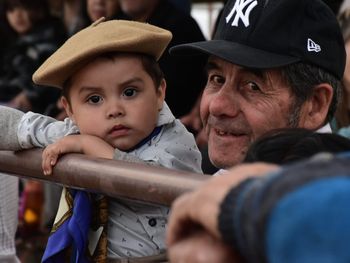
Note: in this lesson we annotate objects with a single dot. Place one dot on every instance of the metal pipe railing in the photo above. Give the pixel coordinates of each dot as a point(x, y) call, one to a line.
point(110, 177)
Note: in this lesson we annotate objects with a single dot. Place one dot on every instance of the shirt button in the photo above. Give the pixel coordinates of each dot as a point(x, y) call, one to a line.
point(152, 222)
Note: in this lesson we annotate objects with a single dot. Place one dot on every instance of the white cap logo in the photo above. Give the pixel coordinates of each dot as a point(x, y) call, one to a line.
point(312, 46)
point(238, 10)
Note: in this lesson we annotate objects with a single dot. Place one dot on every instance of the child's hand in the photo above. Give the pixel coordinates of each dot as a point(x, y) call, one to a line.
point(53, 151)
point(87, 144)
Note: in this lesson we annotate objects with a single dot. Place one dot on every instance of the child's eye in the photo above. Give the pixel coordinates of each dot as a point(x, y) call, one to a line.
point(95, 99)
point(130, 92)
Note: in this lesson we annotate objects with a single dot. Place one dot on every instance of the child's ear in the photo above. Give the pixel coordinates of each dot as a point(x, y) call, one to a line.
point(67, 108)
point(161, 94)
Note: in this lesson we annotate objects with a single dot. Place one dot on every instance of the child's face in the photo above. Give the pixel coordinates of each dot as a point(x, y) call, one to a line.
point(115, 99)
point(19, 19)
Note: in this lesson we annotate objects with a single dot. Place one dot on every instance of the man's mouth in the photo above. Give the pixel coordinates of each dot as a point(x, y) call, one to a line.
point(228, 133)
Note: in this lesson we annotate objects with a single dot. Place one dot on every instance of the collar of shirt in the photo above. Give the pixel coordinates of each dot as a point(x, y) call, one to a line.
point(165, 115)
point(325, 129)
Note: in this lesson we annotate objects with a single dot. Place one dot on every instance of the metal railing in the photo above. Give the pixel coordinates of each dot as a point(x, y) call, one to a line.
point(110, 177)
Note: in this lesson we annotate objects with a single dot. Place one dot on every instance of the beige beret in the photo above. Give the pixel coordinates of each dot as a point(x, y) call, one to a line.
point(101, 37)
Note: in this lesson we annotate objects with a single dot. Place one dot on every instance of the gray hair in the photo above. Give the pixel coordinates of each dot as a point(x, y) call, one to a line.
point(301, 78)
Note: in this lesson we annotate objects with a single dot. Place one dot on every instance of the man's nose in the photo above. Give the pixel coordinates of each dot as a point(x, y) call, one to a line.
point(225, 103)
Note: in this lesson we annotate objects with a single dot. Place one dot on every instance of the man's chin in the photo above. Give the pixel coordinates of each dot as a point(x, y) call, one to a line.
point(225, 162)
point(225, 156)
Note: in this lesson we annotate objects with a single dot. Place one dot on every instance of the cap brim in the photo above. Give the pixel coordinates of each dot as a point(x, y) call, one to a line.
point(235, 53)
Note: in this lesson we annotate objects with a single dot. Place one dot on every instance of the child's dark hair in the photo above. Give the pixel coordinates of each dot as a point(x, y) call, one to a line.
point(149, 64)
point(284, 146)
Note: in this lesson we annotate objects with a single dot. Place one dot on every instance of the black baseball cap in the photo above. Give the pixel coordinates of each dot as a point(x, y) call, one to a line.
point(273, 33)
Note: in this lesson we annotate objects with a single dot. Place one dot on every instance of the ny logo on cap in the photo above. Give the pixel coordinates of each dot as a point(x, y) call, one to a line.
point(312, 46)
point(238, 10)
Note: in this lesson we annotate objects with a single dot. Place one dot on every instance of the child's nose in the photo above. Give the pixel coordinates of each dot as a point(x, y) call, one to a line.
point(115, 111)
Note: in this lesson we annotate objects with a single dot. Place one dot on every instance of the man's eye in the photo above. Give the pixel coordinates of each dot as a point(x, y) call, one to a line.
point(253, 86)
point(216, 79)
point(94, 99)
point(129, 92)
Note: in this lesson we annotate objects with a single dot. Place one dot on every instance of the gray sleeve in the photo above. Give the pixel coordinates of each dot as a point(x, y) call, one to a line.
point(9, 121)
point(174, 147)
point(36, 130)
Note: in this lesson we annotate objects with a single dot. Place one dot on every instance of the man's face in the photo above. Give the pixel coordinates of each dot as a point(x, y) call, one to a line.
point(116, 100)
point(238, 106)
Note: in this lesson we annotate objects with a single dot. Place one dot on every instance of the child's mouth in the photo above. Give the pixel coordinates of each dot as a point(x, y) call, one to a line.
point(118, 131)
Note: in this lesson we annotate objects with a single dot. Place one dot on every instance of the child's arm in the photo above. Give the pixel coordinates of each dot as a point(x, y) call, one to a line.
point(9, 122)
point(86, 144)
point(27, 130)
point(37, 130)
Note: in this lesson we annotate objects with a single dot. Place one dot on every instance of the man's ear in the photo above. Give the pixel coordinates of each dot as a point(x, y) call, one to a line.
point(161, 94)
point(316, 108)
point(67, 107)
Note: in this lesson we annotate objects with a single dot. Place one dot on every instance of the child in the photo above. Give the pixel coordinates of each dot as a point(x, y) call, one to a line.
point(113, 90)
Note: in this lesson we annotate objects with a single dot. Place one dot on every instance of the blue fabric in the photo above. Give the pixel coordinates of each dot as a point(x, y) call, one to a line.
point(345, 131)
point(153, 134)
point(311, 224)
point(72, 233)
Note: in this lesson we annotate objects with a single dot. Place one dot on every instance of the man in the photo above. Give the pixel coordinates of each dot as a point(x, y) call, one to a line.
point(184, 76)
point(272, 64)
point(266, 71)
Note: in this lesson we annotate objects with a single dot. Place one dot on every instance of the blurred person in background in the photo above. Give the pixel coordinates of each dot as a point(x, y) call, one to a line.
point(185, 76)
point(78, 14)
point(33, 35)
point(342, 118)
point(71, 15)
point(334, 5)
point(184, 5)
point(5, 33)
point(95, 9)
point(36, 36)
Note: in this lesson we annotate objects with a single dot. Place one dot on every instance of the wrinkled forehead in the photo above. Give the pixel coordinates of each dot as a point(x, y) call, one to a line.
point(223, 65)
point(271, 77)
